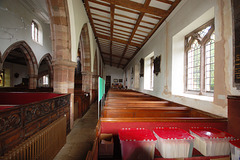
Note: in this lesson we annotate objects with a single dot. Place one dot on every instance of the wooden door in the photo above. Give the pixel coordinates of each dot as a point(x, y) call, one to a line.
point(108, 83)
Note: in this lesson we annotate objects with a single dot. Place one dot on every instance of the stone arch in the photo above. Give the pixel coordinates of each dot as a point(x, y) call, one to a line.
point(30, 60)
point(95, 78)
point(84, 47)
point(63, 67)
point(48, 58)
point(95, 65)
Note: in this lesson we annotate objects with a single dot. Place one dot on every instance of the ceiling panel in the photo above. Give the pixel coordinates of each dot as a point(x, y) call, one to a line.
point(122, 27)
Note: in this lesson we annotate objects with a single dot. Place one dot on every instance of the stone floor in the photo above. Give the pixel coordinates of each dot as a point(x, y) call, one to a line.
point(81, 137)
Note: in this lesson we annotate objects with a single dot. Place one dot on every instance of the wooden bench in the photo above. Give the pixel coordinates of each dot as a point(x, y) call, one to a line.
point(130, 109)
point(118, 105)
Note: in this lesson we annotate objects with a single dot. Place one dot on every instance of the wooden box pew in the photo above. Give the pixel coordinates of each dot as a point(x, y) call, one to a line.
point(133, 98)
point(168, 111)
point(127, 94)
point(131, 112)
point(113, 125)
point(23, 115)
point(140, 103)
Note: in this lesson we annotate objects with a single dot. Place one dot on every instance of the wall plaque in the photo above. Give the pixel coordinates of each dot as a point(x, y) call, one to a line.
point(157, 65)
point(141, 67)
point(236, 42)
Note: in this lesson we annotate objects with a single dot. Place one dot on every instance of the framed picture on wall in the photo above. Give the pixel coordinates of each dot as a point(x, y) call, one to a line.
point(115, 80)
point(1, 78)
point(236, 39)
point(120, 80)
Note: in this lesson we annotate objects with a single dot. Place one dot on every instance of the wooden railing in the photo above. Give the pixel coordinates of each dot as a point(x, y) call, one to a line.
point(21, 122)
point(82, 101)
point(44, 145)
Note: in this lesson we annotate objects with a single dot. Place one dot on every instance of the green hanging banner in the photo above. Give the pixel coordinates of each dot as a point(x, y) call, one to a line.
point(101, 88)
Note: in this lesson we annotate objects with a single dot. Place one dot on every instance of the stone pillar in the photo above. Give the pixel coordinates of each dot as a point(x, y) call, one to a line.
point(95, 86)
point(87, 83)
point(64, 82)
point(32, 81)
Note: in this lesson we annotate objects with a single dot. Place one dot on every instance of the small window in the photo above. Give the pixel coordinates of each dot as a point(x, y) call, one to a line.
point(45, 80)
point(199, 49)
point(36, 32)
point(151, 72)
point(148, 72)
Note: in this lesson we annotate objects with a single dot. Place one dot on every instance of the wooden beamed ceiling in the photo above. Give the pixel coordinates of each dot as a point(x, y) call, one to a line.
point(122, 27)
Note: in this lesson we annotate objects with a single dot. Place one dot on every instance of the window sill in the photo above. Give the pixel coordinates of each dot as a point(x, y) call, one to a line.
point(199, 97)
point(37, 42)
point(148, 89)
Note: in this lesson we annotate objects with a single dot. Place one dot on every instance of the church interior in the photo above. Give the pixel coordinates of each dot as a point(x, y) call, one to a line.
point(108, 71)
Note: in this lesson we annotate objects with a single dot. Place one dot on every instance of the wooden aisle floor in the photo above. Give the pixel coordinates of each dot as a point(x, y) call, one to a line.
point(80, 139)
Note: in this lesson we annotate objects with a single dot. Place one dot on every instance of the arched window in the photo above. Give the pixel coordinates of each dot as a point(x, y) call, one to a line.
point(199, 49)
point(36, 32)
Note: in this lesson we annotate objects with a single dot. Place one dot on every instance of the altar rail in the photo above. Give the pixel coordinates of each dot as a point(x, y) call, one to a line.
point(20, 122)
point(43, 145)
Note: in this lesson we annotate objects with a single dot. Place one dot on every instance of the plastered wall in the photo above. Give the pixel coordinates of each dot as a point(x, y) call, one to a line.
point(15, 25)
point(78, 17)
point(168, 42)
point(115, 73)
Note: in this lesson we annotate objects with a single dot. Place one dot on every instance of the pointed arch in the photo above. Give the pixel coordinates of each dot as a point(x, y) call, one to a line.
point(48, 58)
point(31, 60)
point(84, 47)
point(95, 65)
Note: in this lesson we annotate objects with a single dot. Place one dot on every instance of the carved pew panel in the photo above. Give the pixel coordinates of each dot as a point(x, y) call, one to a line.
point(20, 122)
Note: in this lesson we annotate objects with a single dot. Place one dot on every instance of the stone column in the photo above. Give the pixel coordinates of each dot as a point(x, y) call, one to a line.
point(87, 83)
point(32, 82)
point(64, 82)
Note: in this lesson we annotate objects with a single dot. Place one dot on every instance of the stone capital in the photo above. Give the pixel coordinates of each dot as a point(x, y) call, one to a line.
point(87, 73)
point(64, 63)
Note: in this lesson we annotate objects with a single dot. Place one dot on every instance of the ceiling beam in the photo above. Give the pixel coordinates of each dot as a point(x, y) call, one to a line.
point(98, 2)
point(146, 5)
point(175, 3)
point(117, 20)
point(153, 17)
point(114, 63)
point(114, 55)
point(120, 33)
point(166, 1)
point(127, 10)
point(111, 29)
point(117, 40)
point(138, 6)
point(93, 28)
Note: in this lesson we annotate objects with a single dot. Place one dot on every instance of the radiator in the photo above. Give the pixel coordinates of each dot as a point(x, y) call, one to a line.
point(44, 145)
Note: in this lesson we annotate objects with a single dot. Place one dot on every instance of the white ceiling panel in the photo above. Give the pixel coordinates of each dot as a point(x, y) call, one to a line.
point(141, 33)
point(148, 19)
point(124, 24)
point(144, 29)
point(129, 14)
point(139, 1)
point(146, 24)
point(125, 19)
point(160, 5)
point(91, 4)
point(102, 23)
point(122, 28)
point(120, 32)
point(100, 13)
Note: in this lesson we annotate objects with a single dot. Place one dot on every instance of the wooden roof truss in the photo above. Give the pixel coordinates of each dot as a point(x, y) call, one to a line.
point(122, 27)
